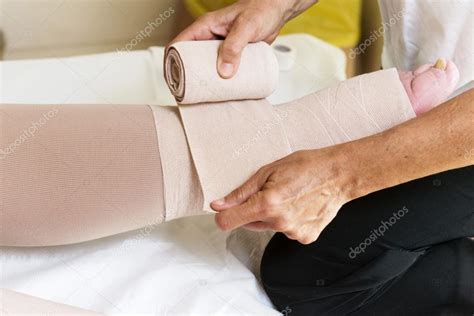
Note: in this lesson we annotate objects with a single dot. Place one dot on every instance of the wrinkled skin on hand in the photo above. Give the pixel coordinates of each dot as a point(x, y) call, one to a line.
point(298, 195)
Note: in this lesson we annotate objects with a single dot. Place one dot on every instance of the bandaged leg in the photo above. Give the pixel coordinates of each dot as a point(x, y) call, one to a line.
point(229, 140)
point(74, 173)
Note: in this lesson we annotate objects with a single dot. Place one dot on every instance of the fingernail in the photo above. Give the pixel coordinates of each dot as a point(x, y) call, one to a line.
point(226, 69)
point(219, 202)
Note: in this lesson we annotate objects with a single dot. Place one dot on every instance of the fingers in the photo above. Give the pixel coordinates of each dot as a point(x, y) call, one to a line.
point(242, 193)
point(260, 214)
point(241, 33)
point(240, 215)
point(199, 30)
point(257, 226)
point(260, 207)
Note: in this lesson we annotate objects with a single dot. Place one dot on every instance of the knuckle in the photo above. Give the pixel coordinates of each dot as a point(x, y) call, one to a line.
point(263, 170)
point(285, 216)
point(305, 240)
point(238, 194)
point(266, 200)
point(308, 239)
point(231, 49)
point(250, 18)
point(292, 235)
point(270, 198)
point(281, 225)
point(266, 212)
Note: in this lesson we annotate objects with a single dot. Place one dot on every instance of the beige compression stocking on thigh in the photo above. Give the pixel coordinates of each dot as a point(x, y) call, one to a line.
point(73, 173)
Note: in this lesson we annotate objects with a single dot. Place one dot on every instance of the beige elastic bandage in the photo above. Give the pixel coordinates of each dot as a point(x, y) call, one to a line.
point(230, 140)
point(190, 72)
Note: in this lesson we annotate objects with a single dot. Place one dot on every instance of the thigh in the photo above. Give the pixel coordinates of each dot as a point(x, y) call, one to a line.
point(72, 173)
point(371, 242)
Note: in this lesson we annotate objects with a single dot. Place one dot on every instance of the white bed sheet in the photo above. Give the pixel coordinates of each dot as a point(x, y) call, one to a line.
point(186, 266)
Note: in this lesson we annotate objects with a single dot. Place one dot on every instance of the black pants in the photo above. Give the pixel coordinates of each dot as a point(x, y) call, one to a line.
point(400, 251)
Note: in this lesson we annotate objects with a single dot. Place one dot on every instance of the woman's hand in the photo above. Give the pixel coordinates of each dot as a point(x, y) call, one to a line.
point(298, 195)
point(244, 22)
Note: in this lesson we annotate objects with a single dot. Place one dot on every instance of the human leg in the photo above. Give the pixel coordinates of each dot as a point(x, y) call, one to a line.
point(85, 172)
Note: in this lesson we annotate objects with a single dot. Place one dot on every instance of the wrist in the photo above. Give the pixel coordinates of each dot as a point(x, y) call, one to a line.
point(363, 166)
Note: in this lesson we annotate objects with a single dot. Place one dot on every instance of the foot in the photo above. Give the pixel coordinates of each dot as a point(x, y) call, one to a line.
point(429, 85)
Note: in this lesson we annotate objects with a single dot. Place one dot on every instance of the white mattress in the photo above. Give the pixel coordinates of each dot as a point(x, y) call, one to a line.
point(186, 266)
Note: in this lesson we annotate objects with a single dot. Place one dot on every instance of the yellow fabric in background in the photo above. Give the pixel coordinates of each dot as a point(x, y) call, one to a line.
point(334, 21)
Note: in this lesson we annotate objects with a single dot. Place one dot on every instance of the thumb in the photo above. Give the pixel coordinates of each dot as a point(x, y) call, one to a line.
point(231, 49)
point(242, 193)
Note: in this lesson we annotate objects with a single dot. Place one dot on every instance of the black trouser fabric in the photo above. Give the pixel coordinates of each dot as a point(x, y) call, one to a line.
point(400, 251)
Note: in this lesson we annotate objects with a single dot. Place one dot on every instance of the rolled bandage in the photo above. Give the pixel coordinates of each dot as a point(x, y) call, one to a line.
point(192, 77)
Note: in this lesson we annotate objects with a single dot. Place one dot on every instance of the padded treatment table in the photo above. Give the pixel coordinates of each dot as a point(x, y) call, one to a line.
point(181, 267)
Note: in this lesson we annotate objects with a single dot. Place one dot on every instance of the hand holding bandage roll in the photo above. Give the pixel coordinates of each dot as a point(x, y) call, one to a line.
point(191, 73)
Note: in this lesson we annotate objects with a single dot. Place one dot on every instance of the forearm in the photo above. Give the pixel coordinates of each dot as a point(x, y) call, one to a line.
point(440, 140)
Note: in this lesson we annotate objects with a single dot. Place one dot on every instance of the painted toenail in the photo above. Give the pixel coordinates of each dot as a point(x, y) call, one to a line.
point(440, 64)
